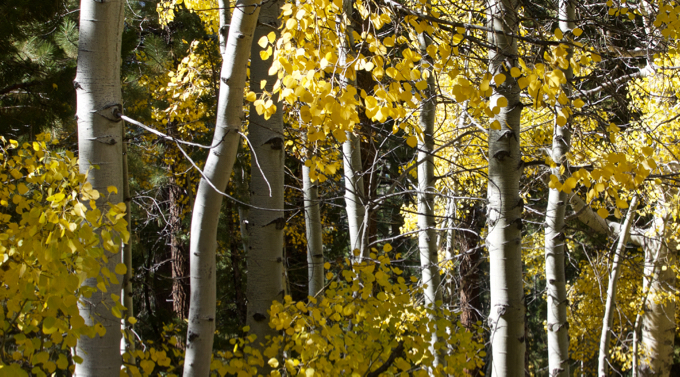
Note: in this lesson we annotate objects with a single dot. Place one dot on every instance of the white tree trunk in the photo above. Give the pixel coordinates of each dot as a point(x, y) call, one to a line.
point(265, 227)
point(504, 221)
point(100, 143)
point(354, 193)
point(351, 151)
point(611, 290)
point(558, 336)
point(427, 241)
point(315, 270)
point(658, 319)
point(203, 244)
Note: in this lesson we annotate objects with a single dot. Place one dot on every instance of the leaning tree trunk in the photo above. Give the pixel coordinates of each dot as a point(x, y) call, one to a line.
point(558, 326)
point(658, 318)
point(310, 193)
point(217, 171)
point(266, 218)
point(504, 221)
point(100, 143)
point(611, 291)
point(427, 238)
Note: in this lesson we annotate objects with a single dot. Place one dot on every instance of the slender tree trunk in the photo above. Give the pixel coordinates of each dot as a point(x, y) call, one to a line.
point(558, 326)
point(178, 253)
point(208, 202)
point(100, 143)
point(127, 342)
point(611, 291)
point(427, 241)
point(315, 268)
point(351, 151)
point(504, 221)
point(265, 227)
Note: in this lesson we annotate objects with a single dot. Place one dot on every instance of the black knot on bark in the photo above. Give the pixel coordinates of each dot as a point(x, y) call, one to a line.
point(259, 317)
point(501, 155)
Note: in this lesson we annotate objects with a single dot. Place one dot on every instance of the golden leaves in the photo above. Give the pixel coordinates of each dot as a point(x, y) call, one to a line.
point(48, 251)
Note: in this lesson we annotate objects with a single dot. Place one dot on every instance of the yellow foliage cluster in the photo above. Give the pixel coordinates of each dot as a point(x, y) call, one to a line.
point(52, 238)
point(367, 314)
point(587, 297)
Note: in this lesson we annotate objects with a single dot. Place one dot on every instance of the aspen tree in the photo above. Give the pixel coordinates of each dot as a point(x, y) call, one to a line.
point(611, 290)
point(558, 337)
point(427, 241)
point(504, 221)
point(217, 171)
point(100, 146)
point(266, 218)
point(351, 149)
point(315, 270)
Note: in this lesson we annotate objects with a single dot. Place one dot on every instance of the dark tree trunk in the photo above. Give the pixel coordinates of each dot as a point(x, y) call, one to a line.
point(470, 274)
point(178, 254)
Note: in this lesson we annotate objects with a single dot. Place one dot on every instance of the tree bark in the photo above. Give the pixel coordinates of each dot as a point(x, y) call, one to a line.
point(427, 241)
point(265, 226)
point(178, 253)
point(208, 202)
point(470, 273)
point(611, 291)
point(658, 318)
point(558, 326)
point(100, 143)
point(351, 155)
point(504, 221)
point(315, 275)
point(127, 342)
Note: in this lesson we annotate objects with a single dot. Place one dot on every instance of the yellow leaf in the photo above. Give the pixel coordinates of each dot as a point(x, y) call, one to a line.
point(515, 72)
point(578, 103)
point(273, 362)
point(132, 320)
point(121, 269)
point(558, 33)
point(112, 189)
point(495, 125)
point(263, 42)
point(577, 32)
point(327, 265)
point(271, 37)
point(502, 102)
point(523, 82)
point(251, 97)
point(412, 141)
point(603, 213)
point(499, 79)
point(22, 188)
point(387, 248)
